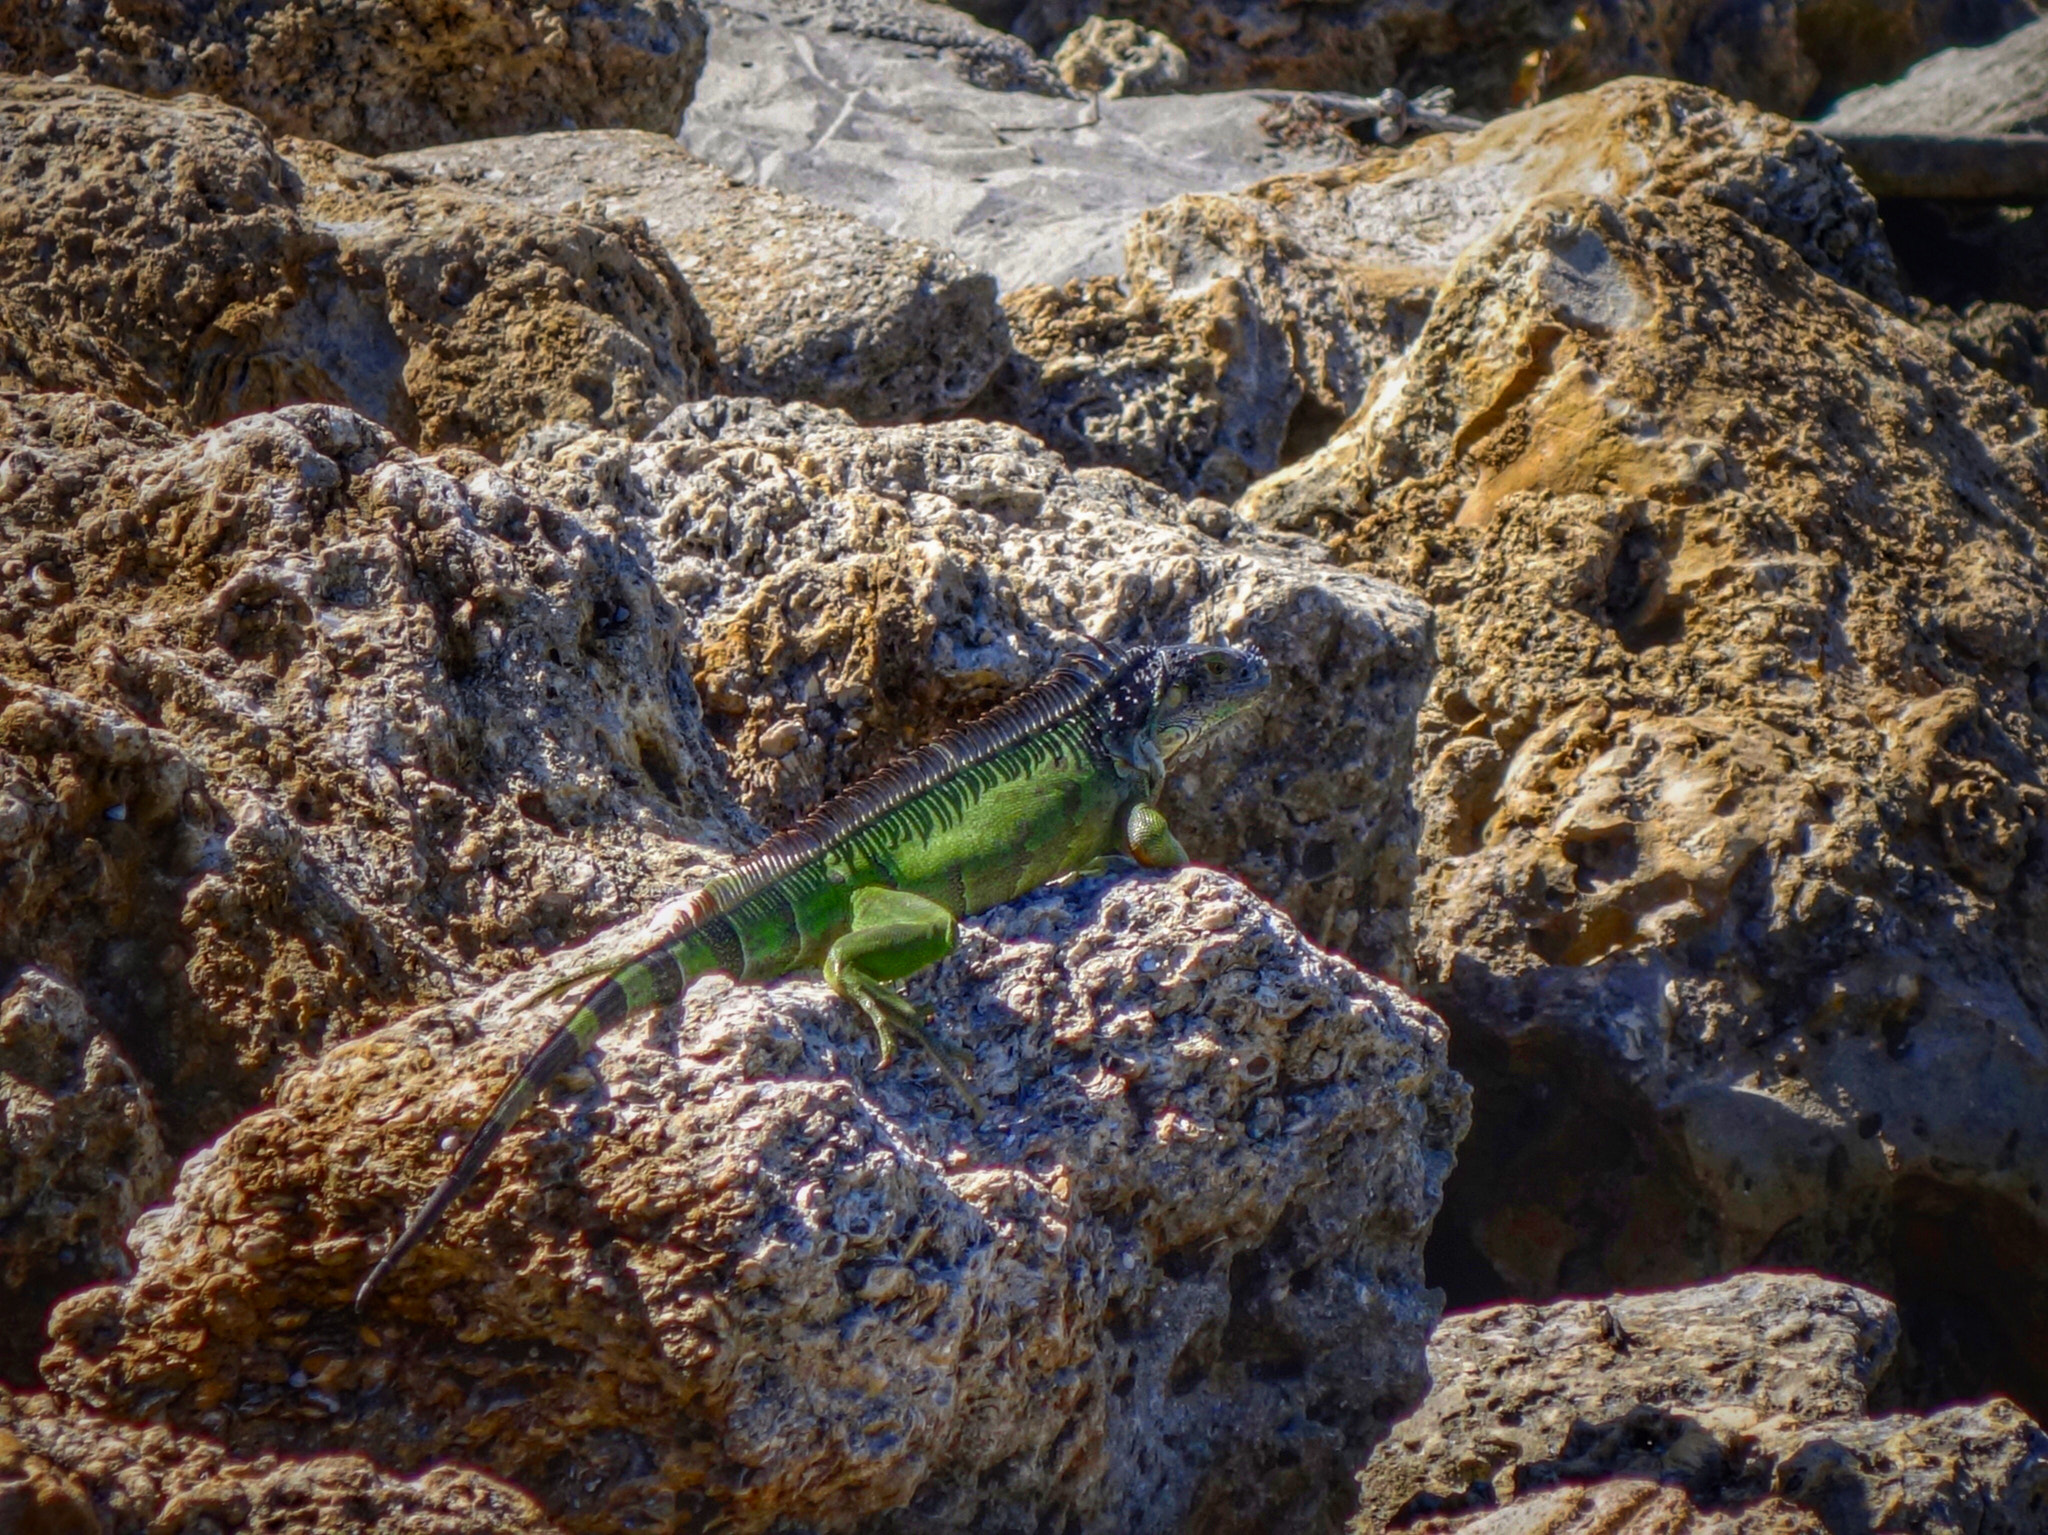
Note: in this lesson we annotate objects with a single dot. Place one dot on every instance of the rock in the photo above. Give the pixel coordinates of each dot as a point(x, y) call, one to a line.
point(1730, 777)
point(867, 107)
point(872, 587)
point(224, 279)
point(804, 302)
point(372, 726)
point(496, 317)
point(740, 1276)
point(1120, 58)
point(1249, 325)
point(1744, 1399)
point(2002, 88)
point(2005, 339)
point(1622, 1508)
point(1780, 57)
point(80, 1153)
point(1703, 1389)
point(65, 1472)
point(383, 75)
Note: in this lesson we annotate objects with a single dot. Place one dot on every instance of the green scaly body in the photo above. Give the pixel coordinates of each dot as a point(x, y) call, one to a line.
point(1061, 780)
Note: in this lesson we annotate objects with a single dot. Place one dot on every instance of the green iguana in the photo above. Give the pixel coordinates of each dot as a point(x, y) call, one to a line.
point(1059, 781)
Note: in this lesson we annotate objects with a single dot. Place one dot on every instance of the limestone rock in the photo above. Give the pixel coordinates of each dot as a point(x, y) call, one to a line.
point(1248, 324)
point(2002, 88)
point(1745, 1398)
point(382, 75)
point(804, 302)
point(869, 108)
point(851, 592)
point(65, 1472)
point(1696, 1388)
point(1120, 58)
point(296, 728)
point(2005, 339)
point(222, 278)
point(80, 1153)
point(1731, 773)
point(1622, 1507)
point(739, 1276)
point(1499, 56)
point(496, 317)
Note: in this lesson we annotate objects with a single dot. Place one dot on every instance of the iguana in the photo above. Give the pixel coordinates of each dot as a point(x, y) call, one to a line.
point(1061, 780)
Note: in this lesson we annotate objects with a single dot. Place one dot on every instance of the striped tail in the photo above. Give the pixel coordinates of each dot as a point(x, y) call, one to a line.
point(652, 979)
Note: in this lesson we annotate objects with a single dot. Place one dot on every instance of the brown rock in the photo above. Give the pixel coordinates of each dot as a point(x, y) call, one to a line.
point(166, 255)
point(80, 1153)
point(1731, 774)
point(803, 302)
point(1622, 1507)
point(503, 317)
point(64, 1472)
point(377, 77)
point(851, 592)
point(1744, 1399)
point(750, 1280)
point(2005, 339)
point(1120, 58)
point(1249, 325)
point(370, 723)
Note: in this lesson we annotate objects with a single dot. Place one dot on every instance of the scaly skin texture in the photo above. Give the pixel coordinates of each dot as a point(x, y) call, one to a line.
point(1061, 780)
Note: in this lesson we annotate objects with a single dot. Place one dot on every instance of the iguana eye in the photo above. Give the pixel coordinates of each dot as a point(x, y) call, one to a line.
point(1218, 667)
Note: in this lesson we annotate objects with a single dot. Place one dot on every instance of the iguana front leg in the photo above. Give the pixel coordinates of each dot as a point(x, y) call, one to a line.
point(896, 933)
point(1151, 840)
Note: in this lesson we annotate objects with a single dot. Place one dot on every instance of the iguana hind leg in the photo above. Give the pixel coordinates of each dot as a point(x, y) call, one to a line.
point(896, 933)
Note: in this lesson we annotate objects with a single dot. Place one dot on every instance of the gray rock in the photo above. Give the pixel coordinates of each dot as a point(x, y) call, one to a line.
point(1029, 184)
point(2002, 88)
point(804, 302)
point(1748, 1396)
point(382, 75)
point(745, 1278)
point(851, 592)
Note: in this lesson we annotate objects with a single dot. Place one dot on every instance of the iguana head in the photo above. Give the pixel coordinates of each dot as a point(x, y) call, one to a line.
point(1198, 687)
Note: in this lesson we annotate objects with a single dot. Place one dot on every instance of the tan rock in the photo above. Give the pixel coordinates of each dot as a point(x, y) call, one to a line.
point(501, 317)
point(1501, 56)
point(223, 278)
point(1731, 769)
point(1249, 324)
point(740, 1276)
point(1120, 58)
point(371, 723)
point(376, 77)
point(1622, 1507)
point(80, 1152)
point(804, 302)
point(1744, 1399)
point(871, 587)
point(64, 1472)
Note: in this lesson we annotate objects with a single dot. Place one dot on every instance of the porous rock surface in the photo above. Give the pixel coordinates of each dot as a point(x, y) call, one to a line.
point(733, 1273)
point(296, 728)
point(503, 317)
point(1120, 58)
point(80, 1150)
point(1747, 1398)
point(852, 592)
point(1248, 324)
point(1731, 773)
point(804, 302)
point(1500, 56)
point(167, 255)
point(382, 75)
point(65, 1472)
